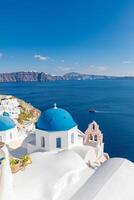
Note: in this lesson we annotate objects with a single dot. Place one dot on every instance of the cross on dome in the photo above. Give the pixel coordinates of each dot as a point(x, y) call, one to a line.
point(55, 106)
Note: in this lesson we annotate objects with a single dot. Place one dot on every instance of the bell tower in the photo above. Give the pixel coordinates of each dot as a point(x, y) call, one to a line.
point(93, 135)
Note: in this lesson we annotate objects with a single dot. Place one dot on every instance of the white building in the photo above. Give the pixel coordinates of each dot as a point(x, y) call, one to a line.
point(64, 176)
point(57, 130)
point(10, 105)
point(8, 129)
point(29, 127)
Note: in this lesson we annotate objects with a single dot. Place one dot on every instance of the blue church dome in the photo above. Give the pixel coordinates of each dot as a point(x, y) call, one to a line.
point(55, 119)
point(6, 114)
point(6, 123)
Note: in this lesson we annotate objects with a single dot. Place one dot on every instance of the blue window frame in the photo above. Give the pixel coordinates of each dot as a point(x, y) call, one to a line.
point(43, 142)
point(58, 142)
point(72, 138)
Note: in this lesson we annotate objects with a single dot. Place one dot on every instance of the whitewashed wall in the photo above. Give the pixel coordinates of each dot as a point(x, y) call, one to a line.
point(50, 138)
point(9, 135)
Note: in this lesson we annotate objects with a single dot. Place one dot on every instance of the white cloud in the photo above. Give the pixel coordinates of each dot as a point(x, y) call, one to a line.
point(1, 55)
point(97, 70)
point(76, 63)
point(91, 66)
point(65, 69)
point(62, 60)
point(127, 62)
point(40, 57)
point(102, 68)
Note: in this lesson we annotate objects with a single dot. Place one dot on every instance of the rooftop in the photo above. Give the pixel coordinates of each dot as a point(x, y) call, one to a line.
point(55, 119)
point(6, 123)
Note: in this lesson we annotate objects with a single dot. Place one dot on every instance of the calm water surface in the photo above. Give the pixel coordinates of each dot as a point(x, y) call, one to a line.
point(113, 99)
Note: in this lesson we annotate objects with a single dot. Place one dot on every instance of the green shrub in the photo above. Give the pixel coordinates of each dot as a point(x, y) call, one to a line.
point(14, 162)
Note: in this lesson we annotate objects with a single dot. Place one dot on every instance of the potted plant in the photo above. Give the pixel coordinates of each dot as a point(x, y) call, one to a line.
point(2, 144)
point(15, 165)
point(25, 160)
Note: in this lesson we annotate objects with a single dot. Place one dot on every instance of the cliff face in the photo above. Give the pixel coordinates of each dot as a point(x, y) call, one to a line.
point(27, 77)
point(43, 77)
point(78, 76)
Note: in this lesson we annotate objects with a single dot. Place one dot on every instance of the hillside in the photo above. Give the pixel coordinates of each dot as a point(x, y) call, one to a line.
point(44, 77)
point(18, 109)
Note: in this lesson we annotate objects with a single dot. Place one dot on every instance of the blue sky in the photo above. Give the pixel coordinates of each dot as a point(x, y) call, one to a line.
point(58, 36)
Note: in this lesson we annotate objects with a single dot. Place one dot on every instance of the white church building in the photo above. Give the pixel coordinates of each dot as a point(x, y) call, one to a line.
point(8, 129)
point(56, 130)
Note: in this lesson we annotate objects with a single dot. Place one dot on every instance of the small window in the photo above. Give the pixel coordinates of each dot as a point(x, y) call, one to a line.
point(72, 138)
point(91, 137)
point(43, 142)
point(93, 126)
point(95, 137)
point(58, 142)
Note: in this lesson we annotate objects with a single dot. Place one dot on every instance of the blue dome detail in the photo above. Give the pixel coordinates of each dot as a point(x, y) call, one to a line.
point(55, 119)
point(6, 123)
point(6, 114)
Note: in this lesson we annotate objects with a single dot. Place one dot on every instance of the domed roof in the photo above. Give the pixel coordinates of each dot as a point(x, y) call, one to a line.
point(55, 119)
point(6, 114)
point(6, 123)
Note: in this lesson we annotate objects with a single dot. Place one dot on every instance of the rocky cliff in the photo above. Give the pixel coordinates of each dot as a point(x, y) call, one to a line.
point(43, 77)
point(27, 77)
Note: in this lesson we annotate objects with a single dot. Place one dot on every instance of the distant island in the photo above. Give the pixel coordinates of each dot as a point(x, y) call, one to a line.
point(44, 77)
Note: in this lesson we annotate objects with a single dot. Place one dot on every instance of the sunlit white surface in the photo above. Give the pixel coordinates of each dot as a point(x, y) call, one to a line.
point(114, 180)
point(65, 176)
point(51, 176)
point(6, 178)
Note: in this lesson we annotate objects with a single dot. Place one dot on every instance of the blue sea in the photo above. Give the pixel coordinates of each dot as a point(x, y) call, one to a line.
point(113, 99)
